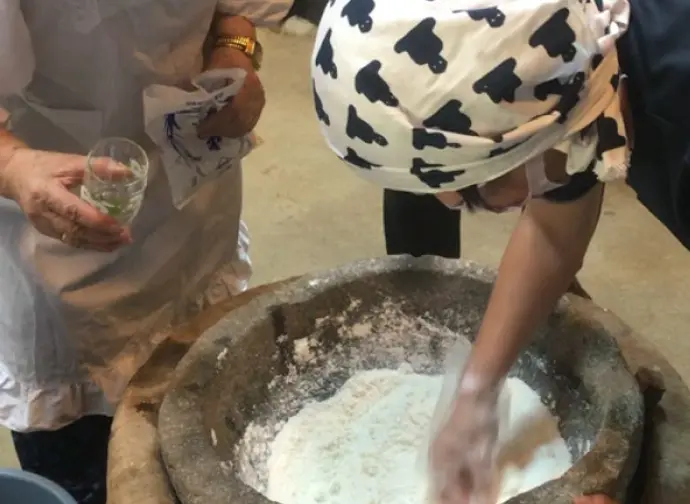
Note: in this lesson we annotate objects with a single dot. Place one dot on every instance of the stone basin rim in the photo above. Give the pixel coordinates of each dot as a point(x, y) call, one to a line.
point(183, 405)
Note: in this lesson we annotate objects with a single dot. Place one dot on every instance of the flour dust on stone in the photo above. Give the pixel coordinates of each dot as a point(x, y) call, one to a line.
point(363, 445)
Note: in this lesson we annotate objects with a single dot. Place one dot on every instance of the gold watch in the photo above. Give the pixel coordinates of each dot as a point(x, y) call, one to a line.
point(249, 46)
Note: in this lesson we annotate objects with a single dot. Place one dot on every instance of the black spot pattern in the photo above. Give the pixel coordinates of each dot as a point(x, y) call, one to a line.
point(355, 159)
point(422, 138)
point(492, 15)
point(370, 84)
point(318, 105)
point(596, 61)
point(549, 87)
point(358, 128)
point(556, 36)
point(609, 138)
point(615, 81)
point(570, 96)
point(430, 176)
point(380, 83)
point(500, 83)
point(324, 57)
point(423, 46)
point(450, 118)
point(358, 13)
point(502, 150)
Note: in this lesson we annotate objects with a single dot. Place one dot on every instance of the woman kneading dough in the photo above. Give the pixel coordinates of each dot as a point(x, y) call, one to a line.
point(492, 107)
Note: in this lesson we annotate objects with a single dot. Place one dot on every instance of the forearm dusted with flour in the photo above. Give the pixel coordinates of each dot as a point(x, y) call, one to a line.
point(545, 252)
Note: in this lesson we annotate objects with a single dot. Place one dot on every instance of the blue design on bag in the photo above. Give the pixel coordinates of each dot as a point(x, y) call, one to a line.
point(171, 129)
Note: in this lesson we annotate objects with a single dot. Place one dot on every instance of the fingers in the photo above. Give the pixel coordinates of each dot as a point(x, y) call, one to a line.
point(67, 205)
point(454, 495)
point(60, 214)
point(240, 116)
point(71, 169)
point(67, 218)
point(108, 169)
point(225, 123)
point(76, 236)
point(459, 481)
point(455, 483)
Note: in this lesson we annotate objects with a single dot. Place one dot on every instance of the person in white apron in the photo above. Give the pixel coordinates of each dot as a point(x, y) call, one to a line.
point(484, 105)
point(83, 302)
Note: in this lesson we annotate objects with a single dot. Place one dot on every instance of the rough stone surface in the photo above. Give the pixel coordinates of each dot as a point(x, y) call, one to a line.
point(136, 473)
point(223, 382)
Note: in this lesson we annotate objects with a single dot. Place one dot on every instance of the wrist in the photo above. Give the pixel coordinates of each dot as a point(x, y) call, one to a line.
point(478, 385)
point(222, 51)
point(477, 392)
point(480, 376)
point(230, 57)
point(9, 146)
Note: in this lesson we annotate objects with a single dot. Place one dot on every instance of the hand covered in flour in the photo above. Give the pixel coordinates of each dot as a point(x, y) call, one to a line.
point(462, 455)
point(240, 116)
point(40, 182)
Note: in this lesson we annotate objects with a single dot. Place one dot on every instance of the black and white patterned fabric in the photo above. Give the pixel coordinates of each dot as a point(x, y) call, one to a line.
point(427, 96)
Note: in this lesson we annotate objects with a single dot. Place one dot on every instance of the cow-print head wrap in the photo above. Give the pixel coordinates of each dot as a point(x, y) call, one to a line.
point(437, 95)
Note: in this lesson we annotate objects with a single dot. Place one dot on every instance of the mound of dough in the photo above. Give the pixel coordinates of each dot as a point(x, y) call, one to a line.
point(364, 444)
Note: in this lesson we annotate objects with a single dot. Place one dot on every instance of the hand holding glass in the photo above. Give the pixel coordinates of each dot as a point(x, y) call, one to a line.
point(115, 178)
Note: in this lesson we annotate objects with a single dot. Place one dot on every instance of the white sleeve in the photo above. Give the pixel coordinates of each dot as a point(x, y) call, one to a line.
point(17, 61)
point(265, 13)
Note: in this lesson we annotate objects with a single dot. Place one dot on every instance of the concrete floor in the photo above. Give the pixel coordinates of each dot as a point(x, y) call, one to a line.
point(307, 213)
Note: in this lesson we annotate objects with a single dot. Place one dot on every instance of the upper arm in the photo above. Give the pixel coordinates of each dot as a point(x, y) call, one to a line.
point(17, 62)
point(567, 225)
point(577, 186)
point(265, 13)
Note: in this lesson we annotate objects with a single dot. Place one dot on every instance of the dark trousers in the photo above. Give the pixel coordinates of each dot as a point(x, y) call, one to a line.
point(311, 10)
point(420, 225)
point(75, 457)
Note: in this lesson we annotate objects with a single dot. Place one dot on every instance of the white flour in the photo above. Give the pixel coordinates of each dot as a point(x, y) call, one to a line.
point(363, 445)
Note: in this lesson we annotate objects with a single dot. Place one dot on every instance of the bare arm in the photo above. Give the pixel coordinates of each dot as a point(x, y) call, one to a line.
point(8, 145)
point(545, 252)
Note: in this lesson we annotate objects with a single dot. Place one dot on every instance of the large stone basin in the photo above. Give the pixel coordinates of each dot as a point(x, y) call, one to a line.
point(260, 364)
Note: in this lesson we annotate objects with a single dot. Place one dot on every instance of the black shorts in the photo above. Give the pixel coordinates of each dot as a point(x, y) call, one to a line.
point(578, 185)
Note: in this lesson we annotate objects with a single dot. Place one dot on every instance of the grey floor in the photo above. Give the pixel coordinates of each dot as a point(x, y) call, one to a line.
point(306, 213)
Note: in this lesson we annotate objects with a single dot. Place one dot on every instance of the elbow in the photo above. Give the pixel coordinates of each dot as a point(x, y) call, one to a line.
point(571, 261)
point(577, 263)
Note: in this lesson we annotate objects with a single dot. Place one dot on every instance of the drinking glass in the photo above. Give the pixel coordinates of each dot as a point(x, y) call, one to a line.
point(115, 178)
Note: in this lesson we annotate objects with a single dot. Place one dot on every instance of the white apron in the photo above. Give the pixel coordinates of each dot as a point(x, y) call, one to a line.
point(75, 325)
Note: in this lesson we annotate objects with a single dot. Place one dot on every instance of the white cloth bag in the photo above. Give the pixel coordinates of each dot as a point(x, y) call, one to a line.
point(172, 115)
